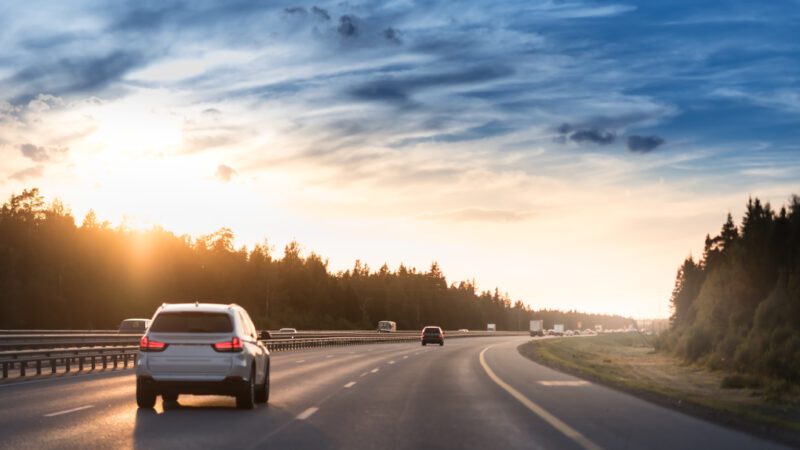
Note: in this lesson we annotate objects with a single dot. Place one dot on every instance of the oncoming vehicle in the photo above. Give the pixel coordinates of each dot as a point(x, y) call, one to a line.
point(202, 349)
point(432, 335)
point(133, 326)
point(387, 326)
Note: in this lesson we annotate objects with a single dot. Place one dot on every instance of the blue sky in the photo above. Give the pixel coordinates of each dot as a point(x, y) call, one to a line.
point(543, 137)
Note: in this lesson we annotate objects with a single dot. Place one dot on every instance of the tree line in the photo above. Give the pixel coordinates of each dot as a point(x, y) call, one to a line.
point(738, 306)
point(55, 274)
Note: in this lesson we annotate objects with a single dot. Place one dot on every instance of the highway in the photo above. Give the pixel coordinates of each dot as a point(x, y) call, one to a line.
point(473, 393)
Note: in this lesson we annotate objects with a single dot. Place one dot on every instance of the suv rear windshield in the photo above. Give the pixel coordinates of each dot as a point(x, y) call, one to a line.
point(431, 330)
point(192, 322)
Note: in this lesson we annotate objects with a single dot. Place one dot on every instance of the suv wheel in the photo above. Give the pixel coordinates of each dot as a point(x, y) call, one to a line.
point(262, 392)
point(145, 398)
point(246, 398)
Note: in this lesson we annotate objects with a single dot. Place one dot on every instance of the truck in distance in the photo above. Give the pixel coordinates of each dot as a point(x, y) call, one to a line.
point(558, 329)
point(537, 328)
point(387, 326)
point(491, 327)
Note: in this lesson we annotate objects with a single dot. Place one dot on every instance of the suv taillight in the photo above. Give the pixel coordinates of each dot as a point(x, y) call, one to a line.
point(234, 345)
point(148, 345)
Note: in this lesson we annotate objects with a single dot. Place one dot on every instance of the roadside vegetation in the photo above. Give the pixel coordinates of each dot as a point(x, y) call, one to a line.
point(629, 361)
point(738, 307)
point(60, 275)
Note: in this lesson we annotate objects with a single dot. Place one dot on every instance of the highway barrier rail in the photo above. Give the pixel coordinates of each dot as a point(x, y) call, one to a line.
point(48, 351)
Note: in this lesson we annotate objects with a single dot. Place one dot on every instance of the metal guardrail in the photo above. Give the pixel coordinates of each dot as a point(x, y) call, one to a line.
point(72, 349)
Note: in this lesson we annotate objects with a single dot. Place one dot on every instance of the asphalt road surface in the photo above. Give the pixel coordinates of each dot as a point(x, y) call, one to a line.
point(473, 393)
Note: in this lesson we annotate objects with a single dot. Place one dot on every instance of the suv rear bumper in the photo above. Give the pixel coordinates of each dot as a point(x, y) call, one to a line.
point(432, 340)
point(228, 386)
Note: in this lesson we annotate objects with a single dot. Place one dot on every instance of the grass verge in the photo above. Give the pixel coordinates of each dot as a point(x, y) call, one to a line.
point(629, 362)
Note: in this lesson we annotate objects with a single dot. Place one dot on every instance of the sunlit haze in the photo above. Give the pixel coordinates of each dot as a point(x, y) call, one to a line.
point(569, 153)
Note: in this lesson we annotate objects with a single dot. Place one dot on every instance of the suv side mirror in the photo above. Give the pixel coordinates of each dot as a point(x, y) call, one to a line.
point(264, 335)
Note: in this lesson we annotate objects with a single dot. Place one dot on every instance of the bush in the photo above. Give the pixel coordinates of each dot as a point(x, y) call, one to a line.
point(738, 381)
point(696, 343)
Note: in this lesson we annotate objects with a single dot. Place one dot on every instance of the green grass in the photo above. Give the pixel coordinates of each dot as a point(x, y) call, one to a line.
point(629, 362)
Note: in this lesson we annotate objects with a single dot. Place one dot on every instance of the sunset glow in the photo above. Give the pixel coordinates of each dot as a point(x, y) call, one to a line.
point(565, 176)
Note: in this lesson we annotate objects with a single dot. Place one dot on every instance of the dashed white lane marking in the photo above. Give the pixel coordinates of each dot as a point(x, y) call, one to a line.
point(307, 413)
point(375, 370)
point(80, 408)
point(301, 361)
point(405, 356)
point(350, 384)
point(329, 356)
point(364, 374)
point(391, 362)
point(564, 383)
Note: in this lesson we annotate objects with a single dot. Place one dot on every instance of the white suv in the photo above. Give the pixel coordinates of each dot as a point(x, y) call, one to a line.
point(202, 349)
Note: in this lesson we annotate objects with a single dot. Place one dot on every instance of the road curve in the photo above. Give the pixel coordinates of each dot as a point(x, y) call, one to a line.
point(472, 393)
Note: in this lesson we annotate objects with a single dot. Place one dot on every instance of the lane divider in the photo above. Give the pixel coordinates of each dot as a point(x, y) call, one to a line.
point(80, 408)
point(350, 384)
point(564, 383)
point(307, 413)
point(375, 370)
point(552, 420)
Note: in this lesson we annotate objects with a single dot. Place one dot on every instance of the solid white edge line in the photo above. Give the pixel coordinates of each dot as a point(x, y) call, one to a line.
point(80, 408)
point(307, 413)
point(554, 421)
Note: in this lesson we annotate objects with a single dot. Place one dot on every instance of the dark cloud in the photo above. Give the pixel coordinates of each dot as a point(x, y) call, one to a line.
point(347, 27)
point(31, 172)
point(34, 152)
point(75, 75)
point(321, 13)
point(583, 134)
point(212, 111)
point(398, 89)
point(225, 173)
point(295, 10)
point(644, 144)
point(391, 35)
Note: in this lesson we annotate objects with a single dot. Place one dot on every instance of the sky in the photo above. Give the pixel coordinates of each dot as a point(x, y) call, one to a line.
point(570, 153)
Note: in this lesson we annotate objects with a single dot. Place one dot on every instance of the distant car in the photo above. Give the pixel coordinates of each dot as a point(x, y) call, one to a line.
point(288, 331)
point(463, 330)
point(202, 349)
point(569, 333)
point(432, 335)
point(133, 326)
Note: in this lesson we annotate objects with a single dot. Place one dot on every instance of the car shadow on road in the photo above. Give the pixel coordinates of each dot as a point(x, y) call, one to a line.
point(216, 423)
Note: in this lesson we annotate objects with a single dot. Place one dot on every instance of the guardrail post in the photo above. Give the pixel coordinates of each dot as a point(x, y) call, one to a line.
point(67, 363)
point(52, 366)
point(93, 364)
point(5, 370)
point(80, 364)
point(114, 360)
point(22, 365)
point(105, 362)
point(39, 367)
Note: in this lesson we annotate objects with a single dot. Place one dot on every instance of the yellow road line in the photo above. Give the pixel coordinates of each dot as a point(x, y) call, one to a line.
point(554, 421)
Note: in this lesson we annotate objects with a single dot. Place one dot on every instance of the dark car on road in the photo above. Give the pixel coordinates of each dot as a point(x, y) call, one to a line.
point(432, 335)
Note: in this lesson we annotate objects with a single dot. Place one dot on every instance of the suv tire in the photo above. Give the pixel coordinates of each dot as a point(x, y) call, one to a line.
point(245, 399)
point(262, 391)
point(145, 398)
